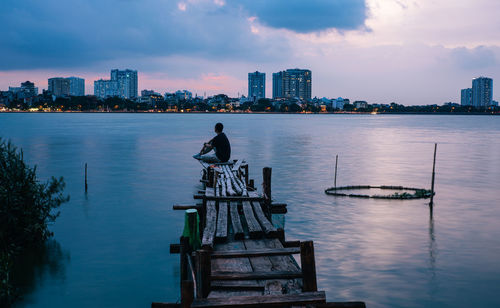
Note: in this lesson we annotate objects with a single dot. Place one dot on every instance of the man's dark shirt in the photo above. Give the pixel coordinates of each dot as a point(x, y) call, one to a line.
point(222, 147)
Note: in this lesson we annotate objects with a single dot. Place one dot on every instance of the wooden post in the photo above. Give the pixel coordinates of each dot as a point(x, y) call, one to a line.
point(245, 167)
point(336, 162)
point(266, 188)
point(86, 186)
point(187, 293)
point(433, 176)
point(308, 265)
point(203, 272)
point(184, 246)
point(192, 221)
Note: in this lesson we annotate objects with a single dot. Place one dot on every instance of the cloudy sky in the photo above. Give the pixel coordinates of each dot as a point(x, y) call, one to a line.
point(407, 51)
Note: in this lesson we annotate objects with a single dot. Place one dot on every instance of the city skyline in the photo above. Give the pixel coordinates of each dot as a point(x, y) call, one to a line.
point(379, 51)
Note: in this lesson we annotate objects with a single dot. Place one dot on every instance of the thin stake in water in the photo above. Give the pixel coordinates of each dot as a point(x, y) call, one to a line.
point(336, 162)
point(433, 176)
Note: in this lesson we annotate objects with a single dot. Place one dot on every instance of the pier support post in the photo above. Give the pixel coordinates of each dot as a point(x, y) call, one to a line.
point(203, 272)
point(308, 265)
point(184, 247)
point(187, 293)
point(266, 189)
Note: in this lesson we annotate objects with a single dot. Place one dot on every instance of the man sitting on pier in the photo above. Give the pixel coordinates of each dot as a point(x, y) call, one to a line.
point(221, 145)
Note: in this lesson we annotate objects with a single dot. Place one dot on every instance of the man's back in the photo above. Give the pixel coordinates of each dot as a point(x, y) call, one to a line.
point(222, 147)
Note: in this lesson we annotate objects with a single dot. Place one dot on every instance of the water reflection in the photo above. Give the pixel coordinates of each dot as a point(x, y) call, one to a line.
point(32, 266)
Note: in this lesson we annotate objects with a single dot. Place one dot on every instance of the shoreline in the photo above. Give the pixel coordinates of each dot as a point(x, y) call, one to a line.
point(261, 112)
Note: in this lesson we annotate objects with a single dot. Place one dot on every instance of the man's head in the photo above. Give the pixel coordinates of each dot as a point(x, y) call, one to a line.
point(218, 128)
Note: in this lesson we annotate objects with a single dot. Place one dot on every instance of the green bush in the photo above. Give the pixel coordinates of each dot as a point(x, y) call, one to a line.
point(26, 208)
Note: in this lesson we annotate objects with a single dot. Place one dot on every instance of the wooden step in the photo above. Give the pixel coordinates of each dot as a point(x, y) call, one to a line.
point(306, 298)
point(255, 275)
point(255, 252)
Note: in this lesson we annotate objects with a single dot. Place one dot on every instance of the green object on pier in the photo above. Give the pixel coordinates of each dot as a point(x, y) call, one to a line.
point(192, 229)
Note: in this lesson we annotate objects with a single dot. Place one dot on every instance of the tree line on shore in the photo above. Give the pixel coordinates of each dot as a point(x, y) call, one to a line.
point(224, 103)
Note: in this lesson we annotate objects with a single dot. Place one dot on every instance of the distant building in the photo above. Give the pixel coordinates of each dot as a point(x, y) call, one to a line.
point(76, 86)
point(494, 103)
point(150, 97)
point(482, 91)
point(105, 88)
point(71, 86)
point(183, 95)
point(122, 84)
point(466, 97)
point(127, 82)
point(59, 86)
point(292, 83)
point(26, 90)
point(360, 104)
point(256, 85)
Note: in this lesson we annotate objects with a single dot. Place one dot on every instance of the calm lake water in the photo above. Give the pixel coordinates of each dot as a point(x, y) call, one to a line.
point(111, 246)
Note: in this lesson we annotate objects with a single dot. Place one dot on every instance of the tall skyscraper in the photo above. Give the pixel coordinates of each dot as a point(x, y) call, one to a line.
point(256, 85)
point(122, 84)
point(482, 91)
point(292, 83)
point(76, 86)
point(278, 84)
point(466, 97)
point(127, 82)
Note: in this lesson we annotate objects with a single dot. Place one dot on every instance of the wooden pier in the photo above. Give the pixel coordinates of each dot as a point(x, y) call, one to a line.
point(241, 259)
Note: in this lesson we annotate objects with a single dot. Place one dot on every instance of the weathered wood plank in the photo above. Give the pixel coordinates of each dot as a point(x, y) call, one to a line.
point(236, 285)
point(236, 222)
point(254, 229)
point(255, 275)
point(221, 233)
point(342, 305)
point(234, 265)
point(228, 198)
point(255, 252)
point(306, 298)
point(267, 226)
point(207, 241)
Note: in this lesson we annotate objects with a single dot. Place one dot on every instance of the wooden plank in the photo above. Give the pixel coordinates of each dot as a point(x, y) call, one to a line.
point(234, 265)
point(207, 241)
point(232, 182)
point(236, 285)
point(267, 226)
point(222, 182)
point(255, 275)
point(254, 229)
point(255, 252)
point(342, 305)
point(306, 298)
point(237, 165)
point(221, 233)
point(228, 198)
point(236, 222)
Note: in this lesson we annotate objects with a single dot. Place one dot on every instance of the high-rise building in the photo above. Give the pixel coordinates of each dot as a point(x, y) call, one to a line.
point(122, 84)
point(482, 91)
point(292, 83)
point(71, 86)
point(466, 97)
point(127, 82)
point(76, 86)
point(278, 84)
point(59, 86)
point(256, 85)
point(105, 88)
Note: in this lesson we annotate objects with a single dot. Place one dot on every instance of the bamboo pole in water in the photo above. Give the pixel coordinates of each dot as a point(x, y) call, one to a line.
point(336, 162)
point(431, 203)
point(86, 186)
